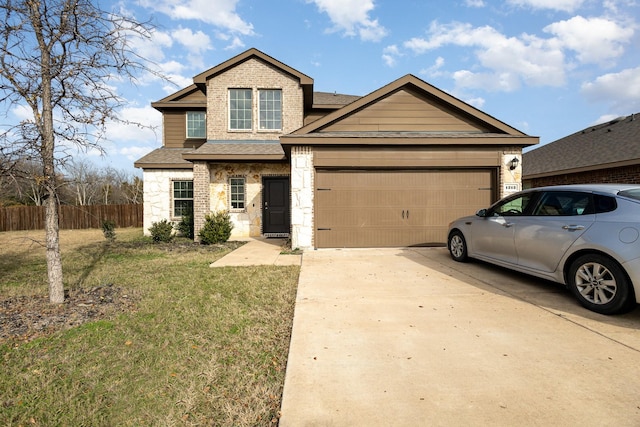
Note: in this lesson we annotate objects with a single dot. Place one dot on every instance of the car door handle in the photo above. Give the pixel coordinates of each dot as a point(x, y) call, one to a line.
point(573, 227)
point(507, 224)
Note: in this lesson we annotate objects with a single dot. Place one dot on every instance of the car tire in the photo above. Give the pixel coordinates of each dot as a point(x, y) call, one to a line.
point(457, 246)
point(600, 284)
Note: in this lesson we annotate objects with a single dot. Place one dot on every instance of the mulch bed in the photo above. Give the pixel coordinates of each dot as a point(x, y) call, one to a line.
point(25, 318)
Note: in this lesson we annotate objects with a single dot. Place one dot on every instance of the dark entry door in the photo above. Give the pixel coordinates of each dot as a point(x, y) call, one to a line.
point(275, 205)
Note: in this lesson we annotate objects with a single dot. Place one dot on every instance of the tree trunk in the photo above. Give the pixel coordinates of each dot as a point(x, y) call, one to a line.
point(54, 260)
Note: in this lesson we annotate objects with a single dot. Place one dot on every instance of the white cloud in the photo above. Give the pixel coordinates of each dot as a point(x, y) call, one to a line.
point(508, 61)
point(152, 48)
point(196, 43)
point(563, 5)
point(221, 13)
point(620, 90)
point(389, 55)
point(595, 40)
point(475, 3)
point(352, 18)
point(476, 102)
point(434, 70)
point(118, 133)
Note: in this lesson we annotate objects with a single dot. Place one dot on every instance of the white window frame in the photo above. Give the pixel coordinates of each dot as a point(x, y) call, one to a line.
point(267, 114)
point(189, 121)
point(234, 121)
point(175, 199)
point(233, 194)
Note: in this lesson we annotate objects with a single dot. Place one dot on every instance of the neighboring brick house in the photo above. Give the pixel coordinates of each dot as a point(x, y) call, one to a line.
point(391, 168)
point(605, 153)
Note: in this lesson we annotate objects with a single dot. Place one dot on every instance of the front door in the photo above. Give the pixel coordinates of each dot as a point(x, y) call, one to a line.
point(275, 206)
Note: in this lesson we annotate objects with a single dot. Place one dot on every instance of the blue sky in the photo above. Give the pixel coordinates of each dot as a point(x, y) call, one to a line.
point(546, 67)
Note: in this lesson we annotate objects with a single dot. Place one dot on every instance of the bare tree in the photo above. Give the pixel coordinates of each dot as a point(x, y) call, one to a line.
point(84, 181)
point(60, 60)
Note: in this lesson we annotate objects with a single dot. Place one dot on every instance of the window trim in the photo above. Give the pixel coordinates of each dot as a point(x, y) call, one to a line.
point(231, 194)
point(260, 111)
point(250, 109)
point(174, 199)
point(204, 113)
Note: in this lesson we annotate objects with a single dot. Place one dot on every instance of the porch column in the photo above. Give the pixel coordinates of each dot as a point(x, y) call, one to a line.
point(201, 196)
point(301, 198)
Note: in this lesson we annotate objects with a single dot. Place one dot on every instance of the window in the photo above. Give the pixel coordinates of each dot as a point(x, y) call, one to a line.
point(513, 206)
point(240, 107)
point(196, 124)
point(237, 193)
point(271, 109)
point(182, 198)
point(564, 203)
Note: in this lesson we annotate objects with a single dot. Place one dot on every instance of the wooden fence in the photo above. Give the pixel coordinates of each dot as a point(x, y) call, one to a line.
point(71, 217)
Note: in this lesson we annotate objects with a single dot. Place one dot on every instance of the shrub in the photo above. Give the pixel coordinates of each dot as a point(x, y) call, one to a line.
point(185, 226)
point(217, 228)
point(109, 229)
point(161, 231)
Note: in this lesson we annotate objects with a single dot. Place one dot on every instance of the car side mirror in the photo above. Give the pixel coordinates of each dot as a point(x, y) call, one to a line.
point(482, 213)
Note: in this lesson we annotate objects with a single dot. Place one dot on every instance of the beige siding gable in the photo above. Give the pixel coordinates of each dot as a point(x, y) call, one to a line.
point(406, 111)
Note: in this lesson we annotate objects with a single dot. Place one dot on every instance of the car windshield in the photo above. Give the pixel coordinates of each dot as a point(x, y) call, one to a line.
point(632, 194)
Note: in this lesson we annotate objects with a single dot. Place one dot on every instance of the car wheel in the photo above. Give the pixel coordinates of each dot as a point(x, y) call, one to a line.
point(600, 284)
point(457, 246)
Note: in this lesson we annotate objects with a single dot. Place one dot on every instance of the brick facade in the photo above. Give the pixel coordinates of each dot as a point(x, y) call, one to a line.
point(252, 74)
point(201, 198)
point(625, 174)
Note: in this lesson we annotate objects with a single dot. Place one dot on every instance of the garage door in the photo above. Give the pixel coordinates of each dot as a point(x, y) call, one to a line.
point(377, 208)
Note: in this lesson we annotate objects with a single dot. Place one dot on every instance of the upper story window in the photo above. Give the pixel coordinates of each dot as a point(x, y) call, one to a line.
point(196, 124)
point(240, 109)
point(270, 109)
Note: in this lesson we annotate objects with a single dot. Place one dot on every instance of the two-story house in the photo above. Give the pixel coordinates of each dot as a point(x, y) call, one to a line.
point(391, 168)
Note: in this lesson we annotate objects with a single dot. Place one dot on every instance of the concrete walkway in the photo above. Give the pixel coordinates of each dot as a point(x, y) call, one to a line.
point(260, 251)
point(407, 337)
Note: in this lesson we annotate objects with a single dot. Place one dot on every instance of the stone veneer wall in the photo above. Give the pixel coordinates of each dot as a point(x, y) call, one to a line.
point(510, 180)
point(246, 222)
point(302, 175)
point(252, 74)
point(158, 194)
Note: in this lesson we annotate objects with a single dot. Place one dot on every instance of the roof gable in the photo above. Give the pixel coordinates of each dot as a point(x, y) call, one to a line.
point(409, 104)
point(202, 78)
point(189, 97)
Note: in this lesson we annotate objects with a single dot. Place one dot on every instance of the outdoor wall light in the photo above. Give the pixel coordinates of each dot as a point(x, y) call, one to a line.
point(513, 163)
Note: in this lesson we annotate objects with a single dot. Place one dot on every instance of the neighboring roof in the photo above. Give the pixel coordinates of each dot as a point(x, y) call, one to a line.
point(249, 150)
point(332, 100)
point(612, 144)
point(165, 158)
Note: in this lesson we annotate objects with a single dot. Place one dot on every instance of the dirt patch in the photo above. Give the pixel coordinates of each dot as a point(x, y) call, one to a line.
point(24, 318)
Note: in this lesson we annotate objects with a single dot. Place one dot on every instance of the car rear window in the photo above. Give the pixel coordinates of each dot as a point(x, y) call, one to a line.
point(632, 194)
point(604, 203)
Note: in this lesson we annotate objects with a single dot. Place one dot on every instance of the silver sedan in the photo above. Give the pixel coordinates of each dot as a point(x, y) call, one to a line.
point(584, 236)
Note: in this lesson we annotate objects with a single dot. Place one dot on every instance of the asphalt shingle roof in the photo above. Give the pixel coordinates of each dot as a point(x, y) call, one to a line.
point(596, 146)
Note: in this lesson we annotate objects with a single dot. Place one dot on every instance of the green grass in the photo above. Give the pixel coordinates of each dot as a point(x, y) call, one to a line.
point(203, 346)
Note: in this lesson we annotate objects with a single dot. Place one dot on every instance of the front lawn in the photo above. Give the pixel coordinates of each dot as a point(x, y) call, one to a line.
point(150, 334)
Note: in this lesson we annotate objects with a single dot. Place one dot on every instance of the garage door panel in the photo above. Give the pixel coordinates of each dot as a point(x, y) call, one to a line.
point(395, 208)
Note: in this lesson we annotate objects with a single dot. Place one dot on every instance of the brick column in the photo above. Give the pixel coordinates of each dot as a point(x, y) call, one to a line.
point(201, 197)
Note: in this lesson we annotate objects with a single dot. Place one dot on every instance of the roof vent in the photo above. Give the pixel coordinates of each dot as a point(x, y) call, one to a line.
point(616, 120)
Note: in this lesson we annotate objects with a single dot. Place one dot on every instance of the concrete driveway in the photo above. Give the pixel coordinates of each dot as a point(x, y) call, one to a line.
point(407, 337)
